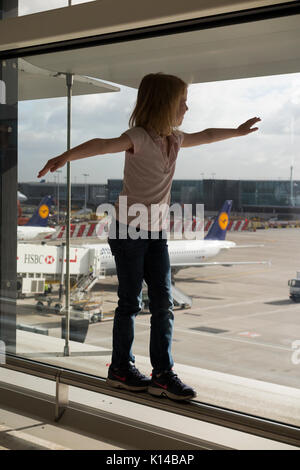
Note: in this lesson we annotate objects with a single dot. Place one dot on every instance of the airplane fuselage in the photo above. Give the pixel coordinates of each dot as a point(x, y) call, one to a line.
point(183, 253)
point(193, 251)
point(25, 233)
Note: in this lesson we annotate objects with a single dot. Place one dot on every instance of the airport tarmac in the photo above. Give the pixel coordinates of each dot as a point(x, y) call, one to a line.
point(241, 321)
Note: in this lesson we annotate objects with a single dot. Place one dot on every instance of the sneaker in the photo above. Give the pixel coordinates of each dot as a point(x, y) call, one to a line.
point(129, 379)
point(169, 384)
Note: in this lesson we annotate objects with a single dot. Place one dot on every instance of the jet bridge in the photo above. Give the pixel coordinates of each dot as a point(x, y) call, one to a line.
point(180, 298)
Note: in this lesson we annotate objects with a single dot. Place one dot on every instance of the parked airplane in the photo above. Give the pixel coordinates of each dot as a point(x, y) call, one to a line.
point(188, 253)
point(22, 197)
point(37, 225)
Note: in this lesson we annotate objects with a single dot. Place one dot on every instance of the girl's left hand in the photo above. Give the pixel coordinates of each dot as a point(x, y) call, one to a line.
point(246, 128)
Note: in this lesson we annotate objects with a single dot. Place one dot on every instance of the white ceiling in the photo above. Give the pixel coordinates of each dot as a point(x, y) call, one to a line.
point(38, 83)
point(267, 47)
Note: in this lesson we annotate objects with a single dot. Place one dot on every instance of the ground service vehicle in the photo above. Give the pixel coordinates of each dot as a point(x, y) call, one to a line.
point(295, 288)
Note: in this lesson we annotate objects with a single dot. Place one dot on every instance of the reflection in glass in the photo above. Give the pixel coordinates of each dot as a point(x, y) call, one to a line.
point(8, 9)
point(8, 192)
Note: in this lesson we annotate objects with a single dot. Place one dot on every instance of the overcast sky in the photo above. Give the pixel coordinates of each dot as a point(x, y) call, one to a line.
point(266, 154)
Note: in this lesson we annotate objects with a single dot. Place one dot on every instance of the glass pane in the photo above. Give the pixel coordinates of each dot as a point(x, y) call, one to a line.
point(13, 8)
point(27, 7)
point(8, 188)
point(238, 343)
point(8, 9)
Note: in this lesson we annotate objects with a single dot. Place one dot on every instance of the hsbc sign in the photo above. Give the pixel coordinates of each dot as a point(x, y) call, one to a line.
point(48, 259)
point(30, 258)
point(33, 259)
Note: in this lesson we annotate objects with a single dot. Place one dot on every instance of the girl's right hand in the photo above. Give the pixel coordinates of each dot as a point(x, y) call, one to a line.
point(53, 164)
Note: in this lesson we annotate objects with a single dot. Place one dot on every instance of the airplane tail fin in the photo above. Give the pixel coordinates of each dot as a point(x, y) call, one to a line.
point(219, 227)
point(41, 215)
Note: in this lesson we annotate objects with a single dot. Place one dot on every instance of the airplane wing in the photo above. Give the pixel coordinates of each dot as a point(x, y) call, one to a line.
point(248, 246)
point(218, 263)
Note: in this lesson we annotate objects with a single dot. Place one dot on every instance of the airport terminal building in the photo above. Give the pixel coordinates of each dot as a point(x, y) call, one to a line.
point(253, 196)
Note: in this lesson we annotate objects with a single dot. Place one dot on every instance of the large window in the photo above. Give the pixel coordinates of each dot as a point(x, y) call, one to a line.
point(238, 343)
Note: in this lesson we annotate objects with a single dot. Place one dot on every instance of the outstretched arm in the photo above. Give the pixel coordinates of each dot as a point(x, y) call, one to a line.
point(214, 135)
point(88, 149)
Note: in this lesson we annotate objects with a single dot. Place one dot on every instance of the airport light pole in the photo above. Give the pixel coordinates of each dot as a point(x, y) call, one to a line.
point(33, 79)
point(58, 171)
point(85, 190)
point(292, 187)
point(69, 83)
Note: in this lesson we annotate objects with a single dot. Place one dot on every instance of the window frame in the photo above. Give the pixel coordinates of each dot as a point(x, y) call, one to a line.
point(213, 414)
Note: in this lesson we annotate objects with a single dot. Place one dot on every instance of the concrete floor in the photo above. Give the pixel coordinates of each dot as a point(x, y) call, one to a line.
point(19, 432)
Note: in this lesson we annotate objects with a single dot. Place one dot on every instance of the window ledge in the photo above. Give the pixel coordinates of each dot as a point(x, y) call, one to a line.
point(224, 392)
point(120, 424)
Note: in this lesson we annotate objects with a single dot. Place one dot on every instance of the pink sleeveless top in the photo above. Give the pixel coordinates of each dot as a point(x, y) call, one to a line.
point(148, 174)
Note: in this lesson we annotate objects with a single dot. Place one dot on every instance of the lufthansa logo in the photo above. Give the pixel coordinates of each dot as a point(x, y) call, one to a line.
point(223, 220)
point(43, 211)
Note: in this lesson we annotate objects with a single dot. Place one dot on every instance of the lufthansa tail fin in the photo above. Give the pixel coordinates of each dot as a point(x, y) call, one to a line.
point(219, 227)
point(41, 215)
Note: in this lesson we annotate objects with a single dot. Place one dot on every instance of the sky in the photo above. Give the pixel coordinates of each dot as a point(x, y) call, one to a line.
point(265, 154)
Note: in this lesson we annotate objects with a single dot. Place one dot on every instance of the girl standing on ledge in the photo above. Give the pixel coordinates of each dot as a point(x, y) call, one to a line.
point(151, 145)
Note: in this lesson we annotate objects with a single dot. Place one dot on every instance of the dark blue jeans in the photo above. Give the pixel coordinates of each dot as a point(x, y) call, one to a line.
point(138, 260)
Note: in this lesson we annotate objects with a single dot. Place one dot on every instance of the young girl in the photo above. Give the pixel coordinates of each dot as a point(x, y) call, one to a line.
point(151, 145)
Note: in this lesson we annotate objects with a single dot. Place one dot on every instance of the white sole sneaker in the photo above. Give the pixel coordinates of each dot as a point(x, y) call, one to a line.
point(157, 392)
point(131, 388)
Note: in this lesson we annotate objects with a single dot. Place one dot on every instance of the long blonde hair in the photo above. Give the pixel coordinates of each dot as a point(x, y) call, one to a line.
point(157, 103)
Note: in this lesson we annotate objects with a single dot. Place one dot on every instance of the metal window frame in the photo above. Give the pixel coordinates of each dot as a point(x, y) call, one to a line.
point(207, 22)
point(63, 377)
point(105, 426)
point(238, 421)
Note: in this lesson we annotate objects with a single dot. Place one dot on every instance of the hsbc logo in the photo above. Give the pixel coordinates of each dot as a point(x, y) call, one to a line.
point(33, 259)
point(38, 259)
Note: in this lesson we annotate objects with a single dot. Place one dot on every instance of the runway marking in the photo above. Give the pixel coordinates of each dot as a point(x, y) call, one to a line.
point(249, 334)
point(245, 317)
point(230, 338)
point(231, 275)
point(236, 304)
